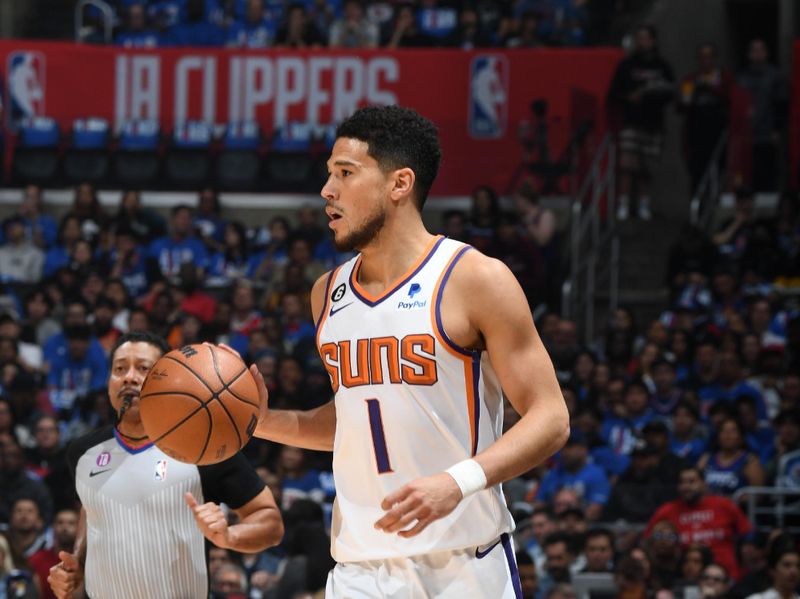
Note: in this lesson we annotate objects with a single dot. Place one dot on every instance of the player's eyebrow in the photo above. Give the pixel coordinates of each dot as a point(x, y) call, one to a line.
point(341, 162)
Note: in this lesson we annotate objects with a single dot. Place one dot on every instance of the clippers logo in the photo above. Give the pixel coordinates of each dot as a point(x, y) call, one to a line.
point(488, 96)
point(161, 470)
point(103, 459)
point(26, 85)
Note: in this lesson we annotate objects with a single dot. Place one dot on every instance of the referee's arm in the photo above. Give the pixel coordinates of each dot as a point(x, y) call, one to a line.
point(260, 524)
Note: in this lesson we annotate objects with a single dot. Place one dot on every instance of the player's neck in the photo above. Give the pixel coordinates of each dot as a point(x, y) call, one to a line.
point(132, 433)
point(393, 252)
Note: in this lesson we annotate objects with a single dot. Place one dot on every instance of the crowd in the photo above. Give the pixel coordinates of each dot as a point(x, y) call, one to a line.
point(670, 419)
point(358, 24)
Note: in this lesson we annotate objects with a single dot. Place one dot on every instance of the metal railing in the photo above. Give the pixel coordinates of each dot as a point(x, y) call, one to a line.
point(771, 507)
point(706, 196)
point(593, 237)
point(108, 19)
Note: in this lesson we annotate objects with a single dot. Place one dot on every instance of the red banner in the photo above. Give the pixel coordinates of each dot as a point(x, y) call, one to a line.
point(478, 99)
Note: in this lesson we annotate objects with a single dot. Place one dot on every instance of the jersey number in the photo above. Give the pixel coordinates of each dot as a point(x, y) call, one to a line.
point(378, 438)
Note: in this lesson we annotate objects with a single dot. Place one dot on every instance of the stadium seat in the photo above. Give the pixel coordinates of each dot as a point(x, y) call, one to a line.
point(36, 156)
point(239, 164)
point(291, 161)
point(188, 159)
point(136, 160)
point(88, 158)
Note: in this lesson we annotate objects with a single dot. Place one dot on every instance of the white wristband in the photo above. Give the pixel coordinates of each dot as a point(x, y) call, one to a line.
point(469, 477)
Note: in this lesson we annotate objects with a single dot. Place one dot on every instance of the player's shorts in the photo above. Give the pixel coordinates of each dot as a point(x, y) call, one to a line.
point(640, 149)
point(487, 572)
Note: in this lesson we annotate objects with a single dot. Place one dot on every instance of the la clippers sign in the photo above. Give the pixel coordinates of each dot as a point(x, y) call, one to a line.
point(477, 99)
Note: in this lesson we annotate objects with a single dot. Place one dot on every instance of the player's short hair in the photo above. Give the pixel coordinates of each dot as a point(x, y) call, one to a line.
point(396, 138)
point(140, 337)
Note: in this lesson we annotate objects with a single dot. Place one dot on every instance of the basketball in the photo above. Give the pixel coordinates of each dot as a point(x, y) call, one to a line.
point(199, 404)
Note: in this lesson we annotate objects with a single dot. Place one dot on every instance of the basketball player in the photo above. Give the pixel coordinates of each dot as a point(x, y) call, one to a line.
point(137, 537)
point(421, 337)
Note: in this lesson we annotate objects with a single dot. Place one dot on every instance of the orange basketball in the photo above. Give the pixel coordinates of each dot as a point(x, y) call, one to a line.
point(199, 404)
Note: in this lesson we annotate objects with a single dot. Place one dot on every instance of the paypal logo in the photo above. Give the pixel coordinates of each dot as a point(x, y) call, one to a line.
point(414, 289)
point(415, 305)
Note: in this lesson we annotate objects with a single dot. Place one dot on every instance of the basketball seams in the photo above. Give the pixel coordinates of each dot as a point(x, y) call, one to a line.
point(226, 386)
point(222, 403)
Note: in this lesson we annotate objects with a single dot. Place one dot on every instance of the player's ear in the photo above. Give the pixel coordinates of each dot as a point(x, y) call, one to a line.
point(403, 183)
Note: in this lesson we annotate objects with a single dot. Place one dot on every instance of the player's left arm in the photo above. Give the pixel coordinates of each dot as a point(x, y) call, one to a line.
point(487, 309)
point(259, 526)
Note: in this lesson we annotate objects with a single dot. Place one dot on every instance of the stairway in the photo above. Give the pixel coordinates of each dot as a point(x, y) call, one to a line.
point(644, 249)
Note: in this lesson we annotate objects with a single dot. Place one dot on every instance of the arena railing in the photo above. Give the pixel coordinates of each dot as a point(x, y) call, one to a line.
point(107, 14)
point(706, 196)
point(771, 507)
point(593, 242)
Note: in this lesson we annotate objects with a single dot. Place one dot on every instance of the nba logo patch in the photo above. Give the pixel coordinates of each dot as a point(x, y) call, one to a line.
point(103, 459)
point(161, 470)
point(27, 87)
point(488, 96)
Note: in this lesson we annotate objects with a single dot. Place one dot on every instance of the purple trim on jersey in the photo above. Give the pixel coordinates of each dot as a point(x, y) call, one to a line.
point(476, 398)
point(398, 285)
point(512, 564)
point(128, 448)
point(324, 303)
point(378, 436)
point(438, 300)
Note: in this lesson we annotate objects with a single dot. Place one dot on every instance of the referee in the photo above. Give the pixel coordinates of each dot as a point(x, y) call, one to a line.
point(145, 514)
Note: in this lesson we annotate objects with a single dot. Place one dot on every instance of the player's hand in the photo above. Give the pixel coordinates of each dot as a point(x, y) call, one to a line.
point(211, 521)
point(66, 576)
point(411, 508)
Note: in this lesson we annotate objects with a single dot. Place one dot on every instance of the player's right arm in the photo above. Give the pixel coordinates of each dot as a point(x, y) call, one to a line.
point(309, 429)
point(66, 577)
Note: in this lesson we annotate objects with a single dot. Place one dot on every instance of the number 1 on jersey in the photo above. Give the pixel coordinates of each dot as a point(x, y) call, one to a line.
point(378, 438)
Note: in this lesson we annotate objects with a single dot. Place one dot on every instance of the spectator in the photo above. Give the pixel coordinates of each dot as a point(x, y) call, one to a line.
point(630, 576)
point(144, 223)
point(40, 228)
point(229, 580)
point(731, 466)
point(620, 430)
point(528, 578)
point(404, 32)
point(668, 465)
point(76, 375)
point(353, 30)
point(543, 524)
point(769, 95)
point(182, 246)
point(298, 481)
point(560, 591)
point(65, 529)
point(705, 99)
point(558, 561)
point(129, 262)
point(26, 527)
point(639, 491)
point(86, 206)
point(469, 33)
point(47, 460)
point(436, 19)
point(784, 570)
point(574, 472)
point(664, 554)
point(706, 519)
point(190, 297)
point(298, 31)
point(197, 30)
point(58, 256)
point(734, 235)
point(666, 395)
point(233, 261)
point(687, 442)
point(787, 450)
point(728, 385)
point(527, 33)
point(208, 222)
point(754, 551)
point(136, 33)
point(642, 87)
point(38, 325)
point(484, 217)
point(695, 559)
point(759, 437)
point(522, 257)
point(599, 550)
point(20, 260)
point(714, 582)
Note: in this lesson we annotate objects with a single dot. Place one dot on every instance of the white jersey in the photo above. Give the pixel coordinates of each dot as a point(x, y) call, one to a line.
point(409, 403)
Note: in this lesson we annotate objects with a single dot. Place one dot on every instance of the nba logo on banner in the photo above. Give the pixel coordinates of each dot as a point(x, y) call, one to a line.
point(26, 85)
point(488, 96)
point(161, 470)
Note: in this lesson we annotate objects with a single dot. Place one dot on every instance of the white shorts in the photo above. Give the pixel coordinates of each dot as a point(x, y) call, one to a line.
point(488, 572)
